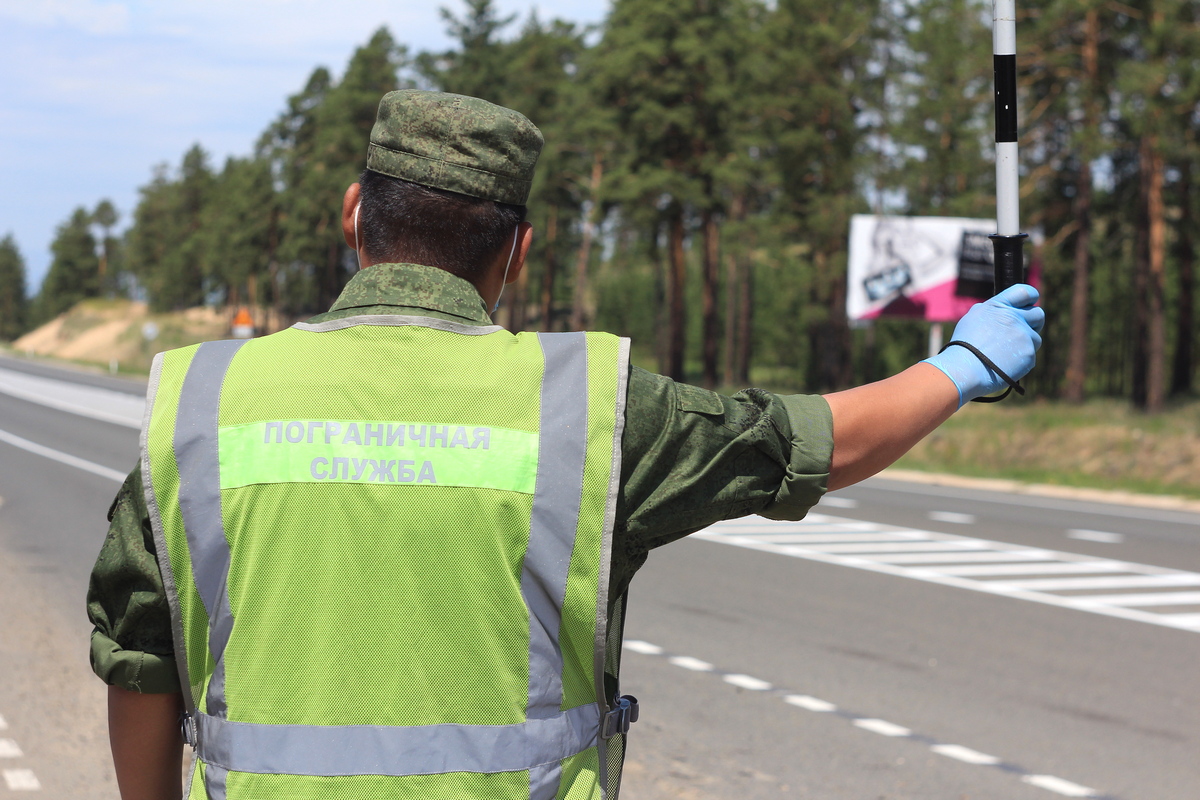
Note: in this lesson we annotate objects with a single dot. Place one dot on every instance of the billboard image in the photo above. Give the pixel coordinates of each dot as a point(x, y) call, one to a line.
point(931, 268)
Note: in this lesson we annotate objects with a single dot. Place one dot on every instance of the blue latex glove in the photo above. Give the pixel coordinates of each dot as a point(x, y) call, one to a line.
point(1006, 329)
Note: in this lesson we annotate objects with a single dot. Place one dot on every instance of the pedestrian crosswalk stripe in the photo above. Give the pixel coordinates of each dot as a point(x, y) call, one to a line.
point(1035, 568)
point(1151, 599)
point(1066, 580)
point(21, 780)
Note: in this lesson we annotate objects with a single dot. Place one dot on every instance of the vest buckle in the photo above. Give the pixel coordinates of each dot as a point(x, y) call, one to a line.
point(623, 714)
point(187, 727)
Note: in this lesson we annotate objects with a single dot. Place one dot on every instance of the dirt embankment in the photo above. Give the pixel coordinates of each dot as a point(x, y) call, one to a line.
point(121, 333)
point(1103, 444)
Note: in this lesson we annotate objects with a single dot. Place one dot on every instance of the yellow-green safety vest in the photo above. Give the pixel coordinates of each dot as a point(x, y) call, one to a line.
point(386, 541)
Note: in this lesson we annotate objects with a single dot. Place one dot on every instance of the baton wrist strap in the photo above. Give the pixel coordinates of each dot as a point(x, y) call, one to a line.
point(987, 362)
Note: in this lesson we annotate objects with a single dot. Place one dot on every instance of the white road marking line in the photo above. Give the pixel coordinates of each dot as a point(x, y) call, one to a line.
point(882, 727)
point(838, 502)
point(754, 526)
point(810, 703)
point(1115, 582)
point(982, 566)
point(105, 405)
point(21, 780)
point(1104, 537)
point(747, 682)
point(879, 726)
point(952, 517)
point(10, 749)
point(1058, 785)
point(834, 538)
point(1151, 599)
point(1042, 568)
point(982, 556)
point(966, 754)
point(900, 547)
point(3, 723)
point(645, 648)
point(694, 664)
point(64, 458)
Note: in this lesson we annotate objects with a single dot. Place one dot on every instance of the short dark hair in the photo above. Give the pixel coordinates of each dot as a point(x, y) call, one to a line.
point(404, 222)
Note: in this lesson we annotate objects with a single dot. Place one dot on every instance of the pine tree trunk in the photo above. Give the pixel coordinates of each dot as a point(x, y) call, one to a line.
point(741, 376)
point(662, 311)
point(274, 319)
point(551, 267)
point(712, 246)
point(1141, 281)
point(729, 353)
point(579, 299)
point(328, 288)
point(733, 273)
point(1156, 285)
point(1077, 350)
point(1182, 370)
point(252, 299)
point(843, 364)
point(677, 317)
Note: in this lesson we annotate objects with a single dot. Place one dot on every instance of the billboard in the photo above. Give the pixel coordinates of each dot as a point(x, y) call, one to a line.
point(931, 268)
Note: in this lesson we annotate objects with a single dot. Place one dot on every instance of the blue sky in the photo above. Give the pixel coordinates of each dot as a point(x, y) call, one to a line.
point(94, 93)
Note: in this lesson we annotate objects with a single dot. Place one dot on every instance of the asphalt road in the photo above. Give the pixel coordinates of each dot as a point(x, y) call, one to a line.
point(763, 670)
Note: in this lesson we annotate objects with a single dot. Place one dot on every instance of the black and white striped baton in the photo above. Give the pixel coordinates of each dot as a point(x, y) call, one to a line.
point(1008, 242)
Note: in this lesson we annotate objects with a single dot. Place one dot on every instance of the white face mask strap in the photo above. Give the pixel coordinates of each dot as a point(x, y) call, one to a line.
point(507, 266)
point(357, 254)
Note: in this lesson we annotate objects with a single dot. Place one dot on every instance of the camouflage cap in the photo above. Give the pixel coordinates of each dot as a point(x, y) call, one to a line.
point(457, 143)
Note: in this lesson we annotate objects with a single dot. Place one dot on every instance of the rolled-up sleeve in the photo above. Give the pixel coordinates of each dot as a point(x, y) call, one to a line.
point(810, 451)
point(692, 457)
point(131, 644)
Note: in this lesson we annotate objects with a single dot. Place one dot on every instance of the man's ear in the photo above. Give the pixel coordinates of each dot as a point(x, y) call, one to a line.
point(524, 242)
point(349, 203)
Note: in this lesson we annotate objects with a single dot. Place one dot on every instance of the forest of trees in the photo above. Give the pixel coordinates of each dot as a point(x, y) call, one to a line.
point(703, 159)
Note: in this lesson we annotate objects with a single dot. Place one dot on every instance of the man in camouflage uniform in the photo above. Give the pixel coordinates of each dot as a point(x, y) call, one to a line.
point(688, 457)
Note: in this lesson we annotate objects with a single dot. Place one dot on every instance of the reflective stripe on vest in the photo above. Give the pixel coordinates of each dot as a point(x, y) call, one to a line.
point(538, 744)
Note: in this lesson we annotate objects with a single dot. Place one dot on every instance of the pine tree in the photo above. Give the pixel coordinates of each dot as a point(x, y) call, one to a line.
point(74, 272)
point(14, 305)
point(821, 57)
point(1159, 99)
point(478, 66)
point(550, 92)
point(667, 69)
point(318, 147)
point(167, 248)
point(1068, 62)
point(105, 215)
point(238, 225)
point(946, 119)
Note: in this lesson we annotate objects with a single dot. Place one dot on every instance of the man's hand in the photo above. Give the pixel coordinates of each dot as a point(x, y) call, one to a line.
point(1007, 330)
point(875, 424)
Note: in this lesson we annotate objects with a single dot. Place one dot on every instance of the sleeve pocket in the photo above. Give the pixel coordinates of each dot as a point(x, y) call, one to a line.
point(698, 401)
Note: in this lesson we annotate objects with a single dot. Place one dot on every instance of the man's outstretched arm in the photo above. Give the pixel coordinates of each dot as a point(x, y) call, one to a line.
point(147, 747)
point(874, 425)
